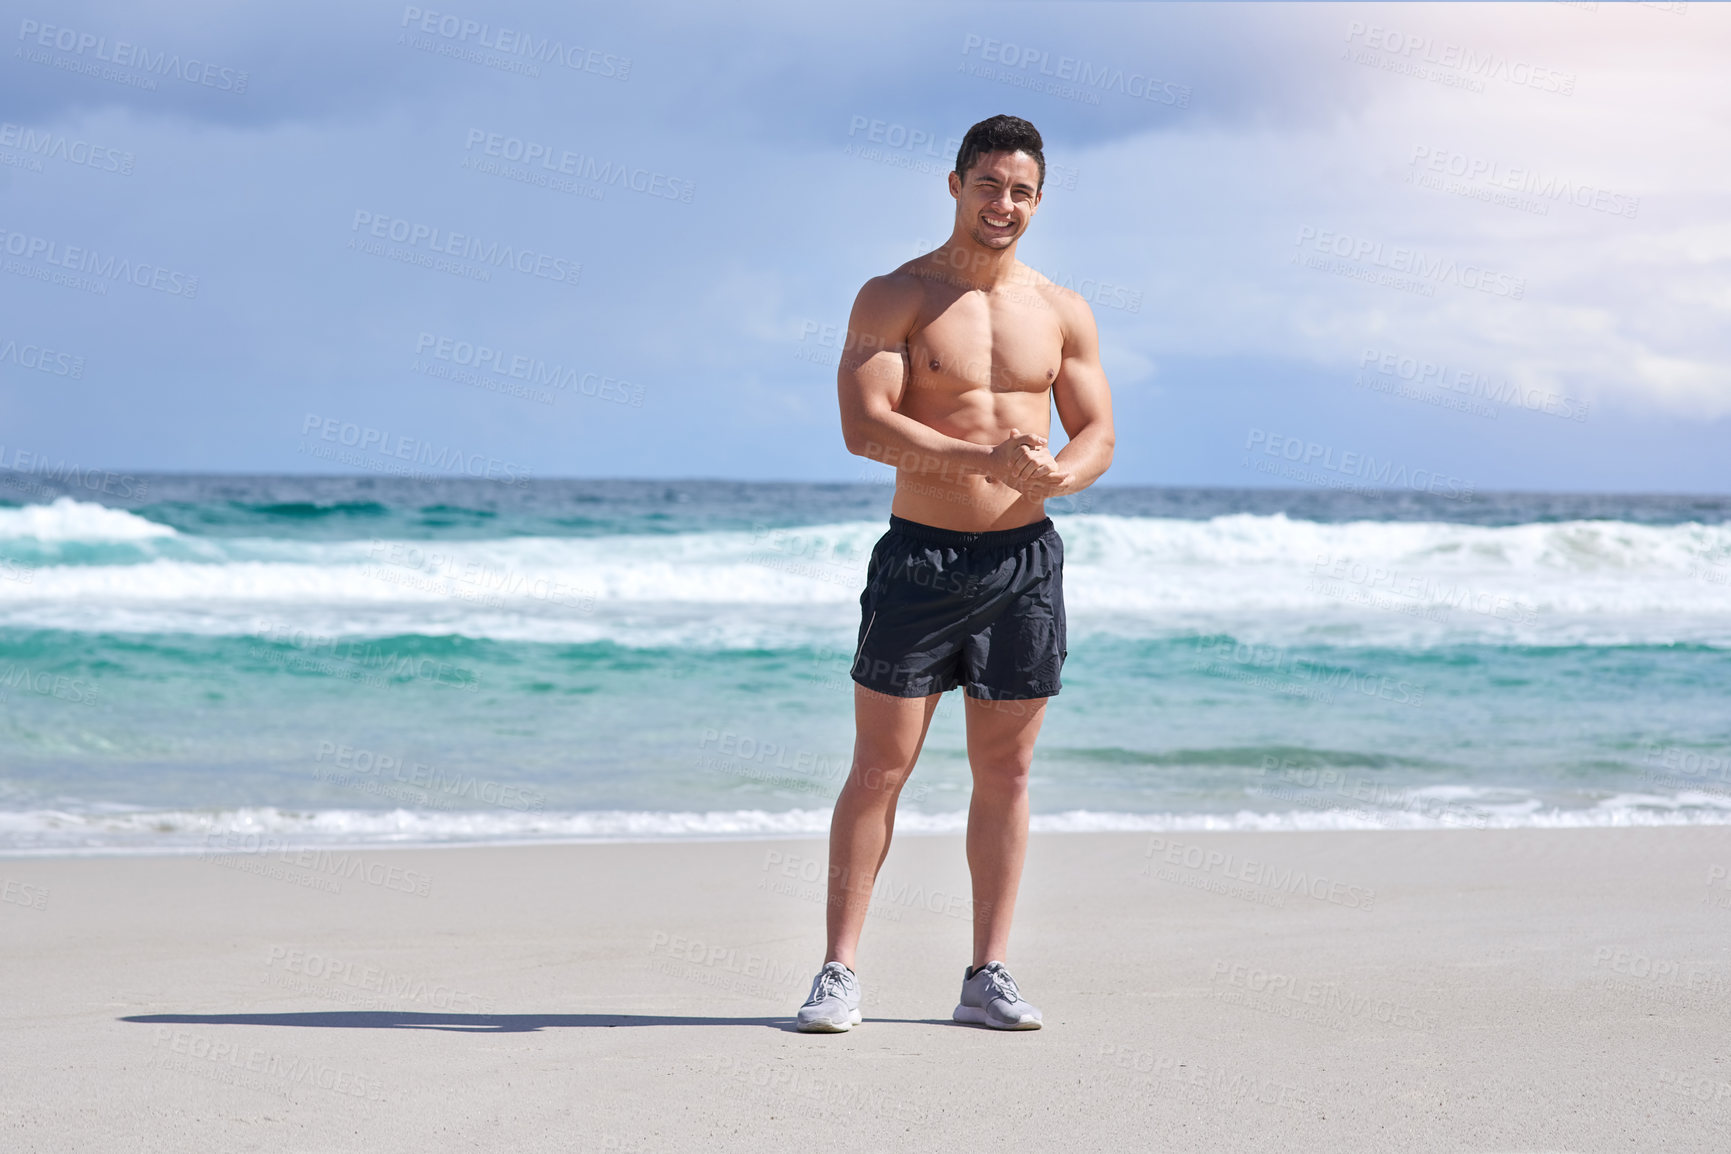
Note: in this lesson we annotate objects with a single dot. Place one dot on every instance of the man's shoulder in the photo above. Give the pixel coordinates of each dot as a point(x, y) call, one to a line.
point(901, 289)
point(909, 277)
point(1063, 299)
point(1070, 306)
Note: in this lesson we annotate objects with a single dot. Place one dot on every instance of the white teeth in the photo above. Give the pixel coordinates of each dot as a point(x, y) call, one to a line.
point(997, 223)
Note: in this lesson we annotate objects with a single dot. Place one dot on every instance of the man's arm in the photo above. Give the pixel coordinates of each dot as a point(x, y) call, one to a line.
point(1084, 403)
point(870, 382)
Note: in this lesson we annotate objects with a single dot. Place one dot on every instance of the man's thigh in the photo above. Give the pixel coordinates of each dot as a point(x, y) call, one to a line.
point(1001, 734)
point(889, 731)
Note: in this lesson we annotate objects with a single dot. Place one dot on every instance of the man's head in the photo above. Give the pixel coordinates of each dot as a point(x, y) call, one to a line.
point(1000, 171)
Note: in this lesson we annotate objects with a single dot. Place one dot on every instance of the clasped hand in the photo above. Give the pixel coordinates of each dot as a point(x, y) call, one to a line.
point(1022, 462)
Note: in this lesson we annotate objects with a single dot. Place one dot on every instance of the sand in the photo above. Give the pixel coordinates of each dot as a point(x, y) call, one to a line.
point(1516, 990)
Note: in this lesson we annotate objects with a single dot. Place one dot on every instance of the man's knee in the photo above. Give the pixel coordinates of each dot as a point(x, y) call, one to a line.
point(1008, 774)
point(883, 782)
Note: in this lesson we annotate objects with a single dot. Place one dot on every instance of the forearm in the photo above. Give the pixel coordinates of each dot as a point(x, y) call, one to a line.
point(909, 446)
point(1085, 458)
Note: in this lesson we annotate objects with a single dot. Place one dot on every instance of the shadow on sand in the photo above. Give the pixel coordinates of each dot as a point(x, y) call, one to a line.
point(476, 1023)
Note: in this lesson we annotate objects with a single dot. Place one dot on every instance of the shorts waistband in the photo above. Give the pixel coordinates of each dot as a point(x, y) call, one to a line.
point(955, 539)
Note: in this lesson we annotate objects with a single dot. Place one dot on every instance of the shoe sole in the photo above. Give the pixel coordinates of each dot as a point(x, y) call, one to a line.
point(974, 1016)
point(853, 1019)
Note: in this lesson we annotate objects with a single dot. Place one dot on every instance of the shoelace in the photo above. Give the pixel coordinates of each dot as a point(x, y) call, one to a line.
point(1001, 983)
point(828, 982)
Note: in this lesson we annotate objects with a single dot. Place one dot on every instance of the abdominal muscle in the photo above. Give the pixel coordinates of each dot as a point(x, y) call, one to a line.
point(969, 502)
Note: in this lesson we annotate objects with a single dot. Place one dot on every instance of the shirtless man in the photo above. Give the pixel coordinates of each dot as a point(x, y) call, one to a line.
point(949, 373)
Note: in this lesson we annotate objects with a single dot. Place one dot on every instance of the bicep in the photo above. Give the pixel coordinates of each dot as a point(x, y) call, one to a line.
point(874, 370)
point(1080, 391)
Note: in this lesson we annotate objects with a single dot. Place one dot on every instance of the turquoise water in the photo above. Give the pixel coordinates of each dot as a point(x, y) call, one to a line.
point(363, 661)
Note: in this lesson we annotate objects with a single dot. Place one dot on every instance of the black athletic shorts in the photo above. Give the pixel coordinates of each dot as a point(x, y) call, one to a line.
point(982, 610)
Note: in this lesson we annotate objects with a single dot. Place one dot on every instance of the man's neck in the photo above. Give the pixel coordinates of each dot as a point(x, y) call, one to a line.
point(982, 268)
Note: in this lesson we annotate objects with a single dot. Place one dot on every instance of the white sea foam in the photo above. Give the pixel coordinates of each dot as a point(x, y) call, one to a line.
point(269, 831)
point(69, 520)
point(1261, 578)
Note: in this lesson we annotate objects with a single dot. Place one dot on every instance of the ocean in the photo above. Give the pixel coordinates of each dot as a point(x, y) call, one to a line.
point(191, 661)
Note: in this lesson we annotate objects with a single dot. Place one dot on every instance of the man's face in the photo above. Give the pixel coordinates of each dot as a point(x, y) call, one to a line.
point(998, 198)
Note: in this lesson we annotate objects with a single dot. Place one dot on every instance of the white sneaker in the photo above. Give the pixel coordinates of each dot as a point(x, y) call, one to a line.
point(990, 998)
point(833, 1006)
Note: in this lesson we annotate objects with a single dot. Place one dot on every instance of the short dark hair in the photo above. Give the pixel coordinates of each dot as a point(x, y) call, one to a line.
point(1001, 134)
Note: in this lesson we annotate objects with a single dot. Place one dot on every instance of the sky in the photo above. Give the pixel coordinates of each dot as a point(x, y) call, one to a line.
point(1487, 243)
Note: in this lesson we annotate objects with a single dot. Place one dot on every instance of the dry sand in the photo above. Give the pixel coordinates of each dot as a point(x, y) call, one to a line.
point(1445, 991)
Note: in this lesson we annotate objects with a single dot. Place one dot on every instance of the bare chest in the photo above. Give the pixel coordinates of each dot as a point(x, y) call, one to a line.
point(976, 343)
